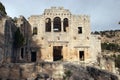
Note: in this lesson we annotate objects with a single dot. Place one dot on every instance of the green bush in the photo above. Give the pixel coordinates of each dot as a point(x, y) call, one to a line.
point(67, 73)
point(110, 46)
point(96, 32)
point(117, 61)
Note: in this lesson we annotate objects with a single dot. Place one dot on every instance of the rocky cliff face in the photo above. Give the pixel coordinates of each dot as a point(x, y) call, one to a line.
point(112, 36)
point(109, 36)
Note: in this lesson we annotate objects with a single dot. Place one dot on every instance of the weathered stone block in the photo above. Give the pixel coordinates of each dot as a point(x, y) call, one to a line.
point(4, 72)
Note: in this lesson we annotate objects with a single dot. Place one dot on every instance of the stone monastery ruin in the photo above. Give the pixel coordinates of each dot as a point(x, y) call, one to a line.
point(56, 35)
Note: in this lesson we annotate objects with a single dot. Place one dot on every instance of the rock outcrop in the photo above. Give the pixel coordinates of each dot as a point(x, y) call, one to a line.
point(56, 70)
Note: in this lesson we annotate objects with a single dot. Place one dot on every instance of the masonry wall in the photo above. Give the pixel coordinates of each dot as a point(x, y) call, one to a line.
point(71, 40)
point(95, 47)
point(1, 40)
point(7, 29)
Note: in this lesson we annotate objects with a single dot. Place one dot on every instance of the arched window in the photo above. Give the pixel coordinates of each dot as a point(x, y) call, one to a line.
point(57, 24)
point(65, 24)
point(35, 31)
point(48, 25)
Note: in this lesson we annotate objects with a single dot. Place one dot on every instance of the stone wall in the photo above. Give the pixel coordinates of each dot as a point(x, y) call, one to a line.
point(42, 44)
point(95, 47)
point(23, 53)
point(1, 40)
point(7, 29)
point(71, 41)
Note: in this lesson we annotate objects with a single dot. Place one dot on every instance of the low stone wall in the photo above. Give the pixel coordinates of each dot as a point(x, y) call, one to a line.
point(56, 70)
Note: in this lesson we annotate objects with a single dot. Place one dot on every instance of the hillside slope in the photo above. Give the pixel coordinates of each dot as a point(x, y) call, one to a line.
point(110, 40)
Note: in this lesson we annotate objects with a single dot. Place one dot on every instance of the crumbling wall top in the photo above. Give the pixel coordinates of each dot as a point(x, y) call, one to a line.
point(53, 10)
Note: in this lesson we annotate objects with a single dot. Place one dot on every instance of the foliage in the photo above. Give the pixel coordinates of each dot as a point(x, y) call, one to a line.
point(107, 33)
point(110, 34)
point(117, 60)
point(96, 32)
point(67, 73)
point(14, 19)
point(2, 9)
point(110, 46)
point(18, 39)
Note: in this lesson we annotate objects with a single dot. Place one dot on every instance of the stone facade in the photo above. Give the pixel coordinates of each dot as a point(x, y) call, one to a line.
point(56, 35)
point(7, 29)
point(59, 35)
point(25, 28)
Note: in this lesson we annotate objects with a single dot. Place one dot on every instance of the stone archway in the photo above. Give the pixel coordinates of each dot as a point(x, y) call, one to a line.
point(57, 24)
point(65, 24)
point(48, 25)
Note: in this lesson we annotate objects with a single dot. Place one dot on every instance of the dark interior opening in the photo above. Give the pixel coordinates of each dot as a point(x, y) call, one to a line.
point(65, 24)
point(35, 31)
point(22, 51)
point(57, 53)
point(81, 55)
point(33, 56)
point(79, 30)
point(48, 25)
point(57, 24)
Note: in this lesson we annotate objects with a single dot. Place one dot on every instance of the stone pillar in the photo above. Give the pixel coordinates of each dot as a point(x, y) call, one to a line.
point(52, 26)
point(62, 29)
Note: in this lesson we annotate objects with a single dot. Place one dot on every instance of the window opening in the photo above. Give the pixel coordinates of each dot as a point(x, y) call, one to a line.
point(79, 30)
point(35, 31)
point(57, 24)
point(48, 25)
point(81, 55)
point(65, 24)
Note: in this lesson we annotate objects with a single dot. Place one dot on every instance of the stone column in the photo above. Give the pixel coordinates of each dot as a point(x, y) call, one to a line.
point(52, 26)
point(62, 29)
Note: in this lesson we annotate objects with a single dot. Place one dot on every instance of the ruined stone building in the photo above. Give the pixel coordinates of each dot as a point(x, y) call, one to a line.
point(56, 35)
point(59, 35)
point(7, 29)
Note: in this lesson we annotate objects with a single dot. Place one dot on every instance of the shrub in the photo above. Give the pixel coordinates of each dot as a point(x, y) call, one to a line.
point(67, 73)
point(110, 46)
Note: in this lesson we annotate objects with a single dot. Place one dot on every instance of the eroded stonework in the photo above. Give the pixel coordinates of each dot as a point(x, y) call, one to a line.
point(56, 35)
point(59, 35)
